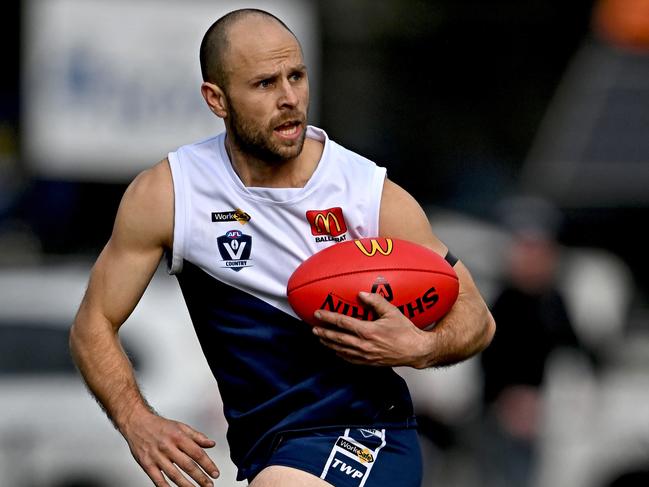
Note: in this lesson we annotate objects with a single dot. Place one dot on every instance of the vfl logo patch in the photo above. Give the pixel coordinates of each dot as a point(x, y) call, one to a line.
point(237, 215)
point(370, 433)
point(363, 454)
point(376, 246)
point(235, 248)
point(327, 225)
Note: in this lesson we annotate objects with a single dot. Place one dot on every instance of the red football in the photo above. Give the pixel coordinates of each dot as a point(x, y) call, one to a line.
point(415, 279)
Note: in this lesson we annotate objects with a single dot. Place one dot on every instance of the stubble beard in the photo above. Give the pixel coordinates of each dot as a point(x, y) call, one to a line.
point(257, 142)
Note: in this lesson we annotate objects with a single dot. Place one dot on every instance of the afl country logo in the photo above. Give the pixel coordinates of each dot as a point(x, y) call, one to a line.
point(327, 225)
point(235, 248)
point(383, 247)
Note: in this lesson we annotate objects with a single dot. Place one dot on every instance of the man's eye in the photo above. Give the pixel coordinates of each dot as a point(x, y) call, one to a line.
point(265, 83)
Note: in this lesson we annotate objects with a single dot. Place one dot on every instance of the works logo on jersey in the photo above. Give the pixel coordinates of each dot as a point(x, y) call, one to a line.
point(327, 225)
point(237, 215)
point(235, 248)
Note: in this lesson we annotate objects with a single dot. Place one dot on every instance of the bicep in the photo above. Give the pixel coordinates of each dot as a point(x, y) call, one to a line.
point(142, 230)
point(117, 282)
point(402, 217)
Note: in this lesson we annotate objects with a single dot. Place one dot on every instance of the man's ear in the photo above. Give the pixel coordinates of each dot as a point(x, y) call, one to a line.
point(215, 99)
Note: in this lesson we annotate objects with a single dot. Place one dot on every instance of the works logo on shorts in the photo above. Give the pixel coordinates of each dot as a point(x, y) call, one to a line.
point(327, 225)
point(235, 248)
point(363, 454)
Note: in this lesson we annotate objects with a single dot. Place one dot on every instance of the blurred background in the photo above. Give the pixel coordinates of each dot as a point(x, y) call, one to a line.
point(521, 127)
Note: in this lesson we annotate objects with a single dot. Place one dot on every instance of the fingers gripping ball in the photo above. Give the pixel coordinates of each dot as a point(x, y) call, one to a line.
point(418, 281)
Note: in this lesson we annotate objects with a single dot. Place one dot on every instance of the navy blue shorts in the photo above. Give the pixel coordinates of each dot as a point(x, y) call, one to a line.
point(355, 457)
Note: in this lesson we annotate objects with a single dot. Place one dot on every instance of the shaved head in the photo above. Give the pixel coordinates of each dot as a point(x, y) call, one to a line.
point(216, 44)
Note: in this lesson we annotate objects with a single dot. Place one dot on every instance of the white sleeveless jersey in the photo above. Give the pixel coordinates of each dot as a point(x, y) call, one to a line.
point(254, 238)
point(234, 249)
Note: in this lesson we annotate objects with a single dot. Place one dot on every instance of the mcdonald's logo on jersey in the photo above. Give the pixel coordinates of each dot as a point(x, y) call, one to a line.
point(376, 245)
point(327, 225)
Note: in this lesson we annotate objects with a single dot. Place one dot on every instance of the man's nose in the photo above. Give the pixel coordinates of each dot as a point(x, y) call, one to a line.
point(288, 96)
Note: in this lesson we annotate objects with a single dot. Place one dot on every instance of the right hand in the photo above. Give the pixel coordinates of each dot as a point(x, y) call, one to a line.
point(162, 446)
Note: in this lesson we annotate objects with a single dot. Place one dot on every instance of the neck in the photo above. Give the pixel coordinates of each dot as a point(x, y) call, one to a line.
point(289, 173)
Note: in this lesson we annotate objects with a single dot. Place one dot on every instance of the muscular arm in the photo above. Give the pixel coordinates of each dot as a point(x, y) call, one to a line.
point(392, 339)
point(143, 229)
point(469, 327)
point(117, 282)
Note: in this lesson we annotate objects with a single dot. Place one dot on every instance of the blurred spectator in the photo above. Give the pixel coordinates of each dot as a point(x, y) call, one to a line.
point(7, 168)
point(17, 243)
point(532, 322)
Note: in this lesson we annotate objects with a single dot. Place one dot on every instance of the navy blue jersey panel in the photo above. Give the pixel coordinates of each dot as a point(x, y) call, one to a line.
point(274, 375)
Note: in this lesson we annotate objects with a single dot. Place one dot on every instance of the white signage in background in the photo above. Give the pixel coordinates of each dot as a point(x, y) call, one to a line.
point(111, 86)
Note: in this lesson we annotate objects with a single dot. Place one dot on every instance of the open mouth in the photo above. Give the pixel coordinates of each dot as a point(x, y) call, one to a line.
point(289, 130)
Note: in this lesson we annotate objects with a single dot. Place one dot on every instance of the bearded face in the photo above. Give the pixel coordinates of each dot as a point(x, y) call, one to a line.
point(278, 140)
point(264, 95)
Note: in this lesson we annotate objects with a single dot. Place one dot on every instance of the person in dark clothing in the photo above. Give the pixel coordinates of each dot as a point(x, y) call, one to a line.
point(532, 317)
point(533, 321)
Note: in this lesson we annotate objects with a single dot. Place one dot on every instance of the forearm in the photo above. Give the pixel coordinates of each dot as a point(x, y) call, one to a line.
point(466, 330)
point(106, 369)
point(161, 446)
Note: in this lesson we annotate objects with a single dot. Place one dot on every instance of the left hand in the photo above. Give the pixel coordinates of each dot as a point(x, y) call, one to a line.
point(391, 340)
